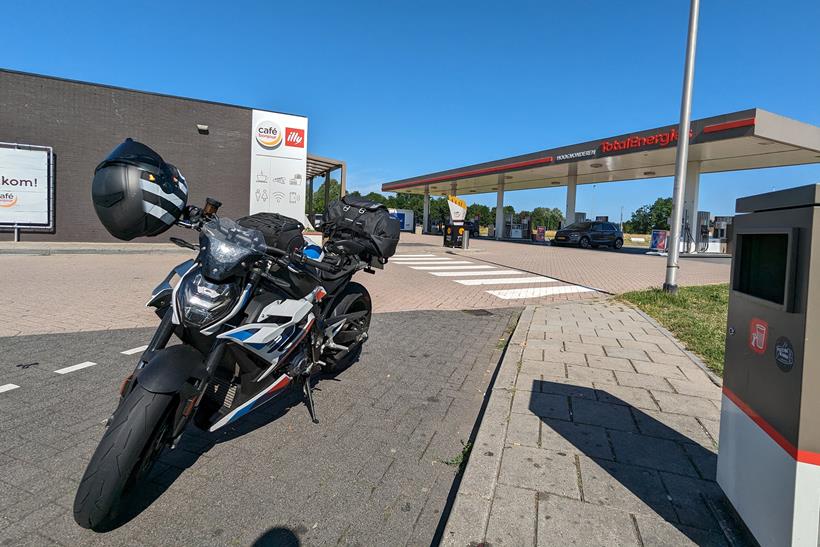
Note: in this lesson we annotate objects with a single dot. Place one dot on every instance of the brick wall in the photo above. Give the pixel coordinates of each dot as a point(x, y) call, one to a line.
point(84, 122)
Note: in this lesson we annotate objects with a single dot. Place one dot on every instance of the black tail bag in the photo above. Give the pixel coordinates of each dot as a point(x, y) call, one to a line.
point(367, 222)
point(280, 231)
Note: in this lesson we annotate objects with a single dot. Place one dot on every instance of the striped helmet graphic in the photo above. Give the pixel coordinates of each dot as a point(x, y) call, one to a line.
point(137, 194)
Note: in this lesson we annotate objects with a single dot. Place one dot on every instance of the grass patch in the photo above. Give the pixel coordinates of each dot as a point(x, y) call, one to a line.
point(460, 460)
point(695, 315)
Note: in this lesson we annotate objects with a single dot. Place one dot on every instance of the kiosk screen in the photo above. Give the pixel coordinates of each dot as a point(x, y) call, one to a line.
point(763, 266)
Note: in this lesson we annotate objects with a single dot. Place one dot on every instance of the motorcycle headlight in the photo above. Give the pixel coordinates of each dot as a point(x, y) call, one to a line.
point(202, 303)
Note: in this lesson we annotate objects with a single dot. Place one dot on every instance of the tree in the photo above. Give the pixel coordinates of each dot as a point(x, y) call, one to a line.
point(482, 212)
point(319, 195)
point(650, 217)
point(549, 218)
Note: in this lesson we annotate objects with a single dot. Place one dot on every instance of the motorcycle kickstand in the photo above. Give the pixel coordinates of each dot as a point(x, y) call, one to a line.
point(307, 392)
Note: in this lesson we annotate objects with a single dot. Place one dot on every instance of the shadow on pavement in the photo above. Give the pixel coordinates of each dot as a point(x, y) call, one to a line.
point(635, 463)
point(277, 537)
point(196, 442)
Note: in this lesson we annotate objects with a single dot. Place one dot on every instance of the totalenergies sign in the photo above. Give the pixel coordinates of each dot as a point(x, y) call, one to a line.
point(269, 135)
point(458, 208)
point(662, 140)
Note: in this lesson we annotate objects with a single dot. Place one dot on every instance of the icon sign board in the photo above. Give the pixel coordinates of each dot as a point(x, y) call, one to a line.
point(25, 187)
point(458, 208)
point(278, 164)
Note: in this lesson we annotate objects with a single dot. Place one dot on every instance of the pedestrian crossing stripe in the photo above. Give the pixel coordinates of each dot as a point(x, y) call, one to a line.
point(475, 273)
point(507, 280)
point(535, 292)
point(449, 267)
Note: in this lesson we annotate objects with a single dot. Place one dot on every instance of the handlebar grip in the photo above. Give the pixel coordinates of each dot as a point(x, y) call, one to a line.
point(300, 259)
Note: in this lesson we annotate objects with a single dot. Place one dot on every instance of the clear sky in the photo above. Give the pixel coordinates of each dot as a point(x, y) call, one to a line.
point(399, 89)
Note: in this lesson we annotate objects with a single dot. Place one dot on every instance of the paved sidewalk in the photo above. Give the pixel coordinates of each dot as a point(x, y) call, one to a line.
point(600, 430)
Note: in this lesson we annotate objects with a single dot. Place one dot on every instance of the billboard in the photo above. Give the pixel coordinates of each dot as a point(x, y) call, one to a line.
point(278, 164)
point(25, 187)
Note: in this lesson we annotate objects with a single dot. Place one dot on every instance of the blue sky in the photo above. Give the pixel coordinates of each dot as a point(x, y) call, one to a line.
point(399, 89)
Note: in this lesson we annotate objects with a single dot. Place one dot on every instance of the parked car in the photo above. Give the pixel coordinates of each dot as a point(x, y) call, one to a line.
point(471, 227)
point(590, 234)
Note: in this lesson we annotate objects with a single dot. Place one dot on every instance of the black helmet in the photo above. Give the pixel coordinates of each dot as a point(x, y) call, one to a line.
point(136, 193)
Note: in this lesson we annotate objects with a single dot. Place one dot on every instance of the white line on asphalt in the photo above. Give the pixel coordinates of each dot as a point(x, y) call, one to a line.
point(8, 387)
point(132, 351)
point(449, 267)
point(72, 368)
point(482, 272)
point(506, 280)
point(443, 265)
point(431, 259)
point(412, 256)
point(535, 292)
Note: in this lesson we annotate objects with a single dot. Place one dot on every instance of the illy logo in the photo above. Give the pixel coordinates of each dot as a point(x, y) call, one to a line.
point(294, 137)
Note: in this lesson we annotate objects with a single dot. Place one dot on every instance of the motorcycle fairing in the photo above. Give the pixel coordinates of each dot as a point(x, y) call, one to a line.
point(256, 401)
point(274, 341)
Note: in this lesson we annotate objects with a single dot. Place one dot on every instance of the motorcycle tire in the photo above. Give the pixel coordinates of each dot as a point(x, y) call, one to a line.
point(129, 447)
point(353, 298)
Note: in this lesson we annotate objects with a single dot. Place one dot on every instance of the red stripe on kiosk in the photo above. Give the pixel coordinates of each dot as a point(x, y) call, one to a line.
point(803, 456)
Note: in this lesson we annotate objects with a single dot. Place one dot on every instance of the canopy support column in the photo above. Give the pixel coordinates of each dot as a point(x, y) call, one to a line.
point(453, 189)
point(572, 186)
point(499, 209)
point(690, 206)
point(343, 181)
point(327, 192)
point(425, 228)
point(311, 214)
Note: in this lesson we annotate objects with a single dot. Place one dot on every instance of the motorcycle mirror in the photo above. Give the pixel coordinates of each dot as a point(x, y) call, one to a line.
point(182, 243)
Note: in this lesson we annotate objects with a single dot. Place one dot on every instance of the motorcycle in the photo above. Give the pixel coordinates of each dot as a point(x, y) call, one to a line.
point(253, 319)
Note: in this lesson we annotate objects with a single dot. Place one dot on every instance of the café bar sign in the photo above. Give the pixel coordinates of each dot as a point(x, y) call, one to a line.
point(26, 187)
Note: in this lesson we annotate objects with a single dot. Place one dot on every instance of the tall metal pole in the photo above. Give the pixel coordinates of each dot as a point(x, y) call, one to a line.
point(671, 285)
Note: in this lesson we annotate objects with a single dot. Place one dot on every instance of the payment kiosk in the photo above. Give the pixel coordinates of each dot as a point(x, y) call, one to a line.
point(769, 450)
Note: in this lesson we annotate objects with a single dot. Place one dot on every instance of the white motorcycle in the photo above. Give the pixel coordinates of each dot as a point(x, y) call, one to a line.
point(253, 318)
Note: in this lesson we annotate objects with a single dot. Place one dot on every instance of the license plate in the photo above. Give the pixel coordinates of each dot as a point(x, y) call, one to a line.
point(560, 238)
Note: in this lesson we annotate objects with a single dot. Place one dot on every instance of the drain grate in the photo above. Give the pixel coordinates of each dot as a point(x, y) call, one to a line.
point(479, 312)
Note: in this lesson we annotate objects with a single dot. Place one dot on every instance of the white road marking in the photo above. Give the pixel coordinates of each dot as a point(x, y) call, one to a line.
point(132, 351)
point(449, 267)
point(412, 256)
point(442, 264)
point(72, 368)
point(431, 259)
point(482, 272)
point(506, 280)
point(535, 292)
point(455, 265)
point(8, 387)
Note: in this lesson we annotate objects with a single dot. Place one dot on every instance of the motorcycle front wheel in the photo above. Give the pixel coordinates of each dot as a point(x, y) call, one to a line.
point(134, 439)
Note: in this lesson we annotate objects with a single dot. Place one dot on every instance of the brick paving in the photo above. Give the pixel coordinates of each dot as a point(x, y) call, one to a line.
point(372, 472)
point(88, 292)
point(600, 430)
point(612, 271)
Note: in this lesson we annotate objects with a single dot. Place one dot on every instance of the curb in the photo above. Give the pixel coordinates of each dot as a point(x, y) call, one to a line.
point(48, 251)
point(470, 513)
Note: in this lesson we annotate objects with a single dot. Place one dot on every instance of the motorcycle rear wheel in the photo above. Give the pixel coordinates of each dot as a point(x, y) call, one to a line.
point(354, 298)
point(133, 441)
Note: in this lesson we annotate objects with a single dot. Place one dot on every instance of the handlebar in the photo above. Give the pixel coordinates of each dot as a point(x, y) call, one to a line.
point(301, 259)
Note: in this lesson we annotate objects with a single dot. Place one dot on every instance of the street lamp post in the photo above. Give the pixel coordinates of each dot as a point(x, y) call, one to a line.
point(682, 155)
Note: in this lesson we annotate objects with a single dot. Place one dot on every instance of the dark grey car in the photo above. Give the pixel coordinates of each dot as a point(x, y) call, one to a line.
point(590, 234)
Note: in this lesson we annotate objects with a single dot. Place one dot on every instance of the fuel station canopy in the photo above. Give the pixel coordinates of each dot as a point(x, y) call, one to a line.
point(749, 139)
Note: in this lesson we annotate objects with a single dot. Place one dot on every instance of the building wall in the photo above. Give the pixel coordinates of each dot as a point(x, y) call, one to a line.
point(84, 122)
